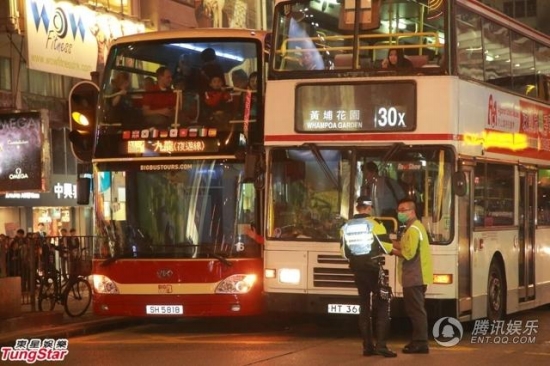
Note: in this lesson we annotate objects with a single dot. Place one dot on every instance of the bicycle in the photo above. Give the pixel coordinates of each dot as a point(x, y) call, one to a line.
point(75, 293)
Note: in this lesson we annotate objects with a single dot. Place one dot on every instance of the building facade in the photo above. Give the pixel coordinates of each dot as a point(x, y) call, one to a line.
point(49, 46)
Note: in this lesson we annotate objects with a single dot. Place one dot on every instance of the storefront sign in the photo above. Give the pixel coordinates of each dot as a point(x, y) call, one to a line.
point(63, 193)
point(73, 40)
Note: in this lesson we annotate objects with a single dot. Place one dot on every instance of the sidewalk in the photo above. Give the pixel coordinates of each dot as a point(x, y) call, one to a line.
point(55, 324)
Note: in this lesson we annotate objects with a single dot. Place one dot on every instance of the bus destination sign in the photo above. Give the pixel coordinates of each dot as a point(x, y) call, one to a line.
point(141, 147)
point(377, 106)
point(171, 141)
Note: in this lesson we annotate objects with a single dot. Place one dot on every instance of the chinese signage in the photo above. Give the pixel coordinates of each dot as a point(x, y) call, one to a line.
point(21, 141)
point(514, 126)
point(62, 194)
point(182, 140)
point(73, 40)
point(366, 107)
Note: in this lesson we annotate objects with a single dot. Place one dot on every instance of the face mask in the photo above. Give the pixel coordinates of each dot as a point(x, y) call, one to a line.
point(402, 217)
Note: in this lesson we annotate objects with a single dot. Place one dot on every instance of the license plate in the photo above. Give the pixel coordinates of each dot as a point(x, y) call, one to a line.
point(343, 309)
point(164, 309)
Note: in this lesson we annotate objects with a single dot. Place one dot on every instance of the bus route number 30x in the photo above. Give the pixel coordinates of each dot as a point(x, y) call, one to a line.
point(343, 309)
point(389, 117)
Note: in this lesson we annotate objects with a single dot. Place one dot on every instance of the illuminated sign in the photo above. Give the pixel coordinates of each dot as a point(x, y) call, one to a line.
point(70, 39)
point(365, 107)
point(21, 152)
point(409, 166)
point(169, 133)
point(61, 191)
point(506, 140)
point(158, 147)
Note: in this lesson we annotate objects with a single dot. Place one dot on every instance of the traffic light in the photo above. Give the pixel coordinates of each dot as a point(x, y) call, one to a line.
point(82, 114)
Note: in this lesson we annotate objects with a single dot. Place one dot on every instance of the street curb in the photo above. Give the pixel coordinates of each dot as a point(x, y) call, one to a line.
point(70, 330)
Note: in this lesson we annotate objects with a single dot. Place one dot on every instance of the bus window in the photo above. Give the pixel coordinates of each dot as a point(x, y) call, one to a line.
point(494, 195)
point(543, 195)
point(306, 203)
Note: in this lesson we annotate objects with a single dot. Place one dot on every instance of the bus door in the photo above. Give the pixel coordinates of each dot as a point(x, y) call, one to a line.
point(464, 231)
point(526, 235)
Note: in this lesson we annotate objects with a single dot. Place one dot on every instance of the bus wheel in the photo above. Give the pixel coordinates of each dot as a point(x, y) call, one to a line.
point(496, 292)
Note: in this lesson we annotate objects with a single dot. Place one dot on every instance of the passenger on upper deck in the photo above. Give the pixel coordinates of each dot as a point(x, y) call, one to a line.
point(186, 73)
point(217, 102)
point(239, 78)
point(311, 60)
point(210, 68)
point(159, 102)
point(396, 61)
point(120, 102)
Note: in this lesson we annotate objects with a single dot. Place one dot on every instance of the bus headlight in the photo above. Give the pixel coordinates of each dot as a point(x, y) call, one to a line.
point(289, 275)
point(236, 284)
point(104, 285)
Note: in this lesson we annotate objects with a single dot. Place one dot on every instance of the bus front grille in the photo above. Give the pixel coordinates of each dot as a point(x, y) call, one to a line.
point(338, 276)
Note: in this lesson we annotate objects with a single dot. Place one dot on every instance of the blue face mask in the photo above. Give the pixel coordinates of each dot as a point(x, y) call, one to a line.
point(402, 217)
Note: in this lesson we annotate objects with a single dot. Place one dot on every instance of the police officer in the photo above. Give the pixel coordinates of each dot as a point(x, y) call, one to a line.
point(362, 238)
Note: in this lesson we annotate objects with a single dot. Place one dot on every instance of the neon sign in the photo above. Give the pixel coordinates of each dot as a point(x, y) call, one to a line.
point(497, 139)
point(141, 147)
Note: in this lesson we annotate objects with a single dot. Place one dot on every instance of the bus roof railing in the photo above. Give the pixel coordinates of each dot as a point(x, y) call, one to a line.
point(393, 39)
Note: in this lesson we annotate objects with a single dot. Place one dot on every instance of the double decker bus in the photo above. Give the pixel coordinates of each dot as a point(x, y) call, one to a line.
point(177, 210)
point(464, 129)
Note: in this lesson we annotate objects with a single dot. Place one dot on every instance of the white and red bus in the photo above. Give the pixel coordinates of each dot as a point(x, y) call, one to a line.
point(176, 206)
point(465, 128)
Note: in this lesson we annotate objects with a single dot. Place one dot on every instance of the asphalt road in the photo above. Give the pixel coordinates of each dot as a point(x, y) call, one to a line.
point(522, 340)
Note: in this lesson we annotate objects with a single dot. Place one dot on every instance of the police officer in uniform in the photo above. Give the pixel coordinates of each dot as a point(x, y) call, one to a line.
point(362, 238)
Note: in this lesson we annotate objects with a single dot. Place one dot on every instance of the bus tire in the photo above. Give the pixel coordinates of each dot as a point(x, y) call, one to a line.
point(496, 292)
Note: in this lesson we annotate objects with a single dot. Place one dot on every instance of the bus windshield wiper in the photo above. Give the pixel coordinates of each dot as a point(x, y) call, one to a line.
point(387, 156)
point(222, 259)
point(322, 162)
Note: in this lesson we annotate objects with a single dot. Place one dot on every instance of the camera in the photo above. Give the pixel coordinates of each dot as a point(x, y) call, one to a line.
point(385, 292)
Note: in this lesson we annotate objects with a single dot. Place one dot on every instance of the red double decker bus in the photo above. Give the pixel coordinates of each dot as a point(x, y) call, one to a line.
point(176, 205)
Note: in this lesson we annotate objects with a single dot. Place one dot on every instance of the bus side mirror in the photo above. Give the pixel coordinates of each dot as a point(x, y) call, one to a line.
point(254, 169)
point(460, 183)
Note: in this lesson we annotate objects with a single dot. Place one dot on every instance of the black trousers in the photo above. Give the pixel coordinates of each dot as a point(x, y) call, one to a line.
point(367, 286)
point(413, 299)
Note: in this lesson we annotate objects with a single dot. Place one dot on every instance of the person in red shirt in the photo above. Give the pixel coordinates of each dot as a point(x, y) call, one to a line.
point(159, 103)
point(217, 101)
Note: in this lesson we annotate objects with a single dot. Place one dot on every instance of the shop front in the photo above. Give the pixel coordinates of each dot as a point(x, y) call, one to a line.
point(55, 209)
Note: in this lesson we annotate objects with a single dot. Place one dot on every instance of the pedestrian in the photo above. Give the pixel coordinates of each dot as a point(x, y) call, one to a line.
point(4, 249)
point(74, 252)
point(363, 241)
point(63, 248)
point(415, 271)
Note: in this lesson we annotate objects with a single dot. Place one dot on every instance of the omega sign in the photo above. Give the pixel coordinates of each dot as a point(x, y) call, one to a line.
point(21, 151)
point(19, 174)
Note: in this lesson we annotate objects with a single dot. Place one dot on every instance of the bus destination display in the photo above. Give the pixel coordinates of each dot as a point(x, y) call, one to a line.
point(365, 107)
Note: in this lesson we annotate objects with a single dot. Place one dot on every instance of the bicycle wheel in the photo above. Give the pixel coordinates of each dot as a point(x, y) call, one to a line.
point(78, 297)
point(47, 297)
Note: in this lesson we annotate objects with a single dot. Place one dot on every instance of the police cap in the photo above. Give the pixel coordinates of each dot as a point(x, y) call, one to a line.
point(364, 200)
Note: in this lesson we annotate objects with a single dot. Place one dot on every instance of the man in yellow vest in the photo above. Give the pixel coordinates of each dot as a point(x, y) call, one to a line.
point(415, 273)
